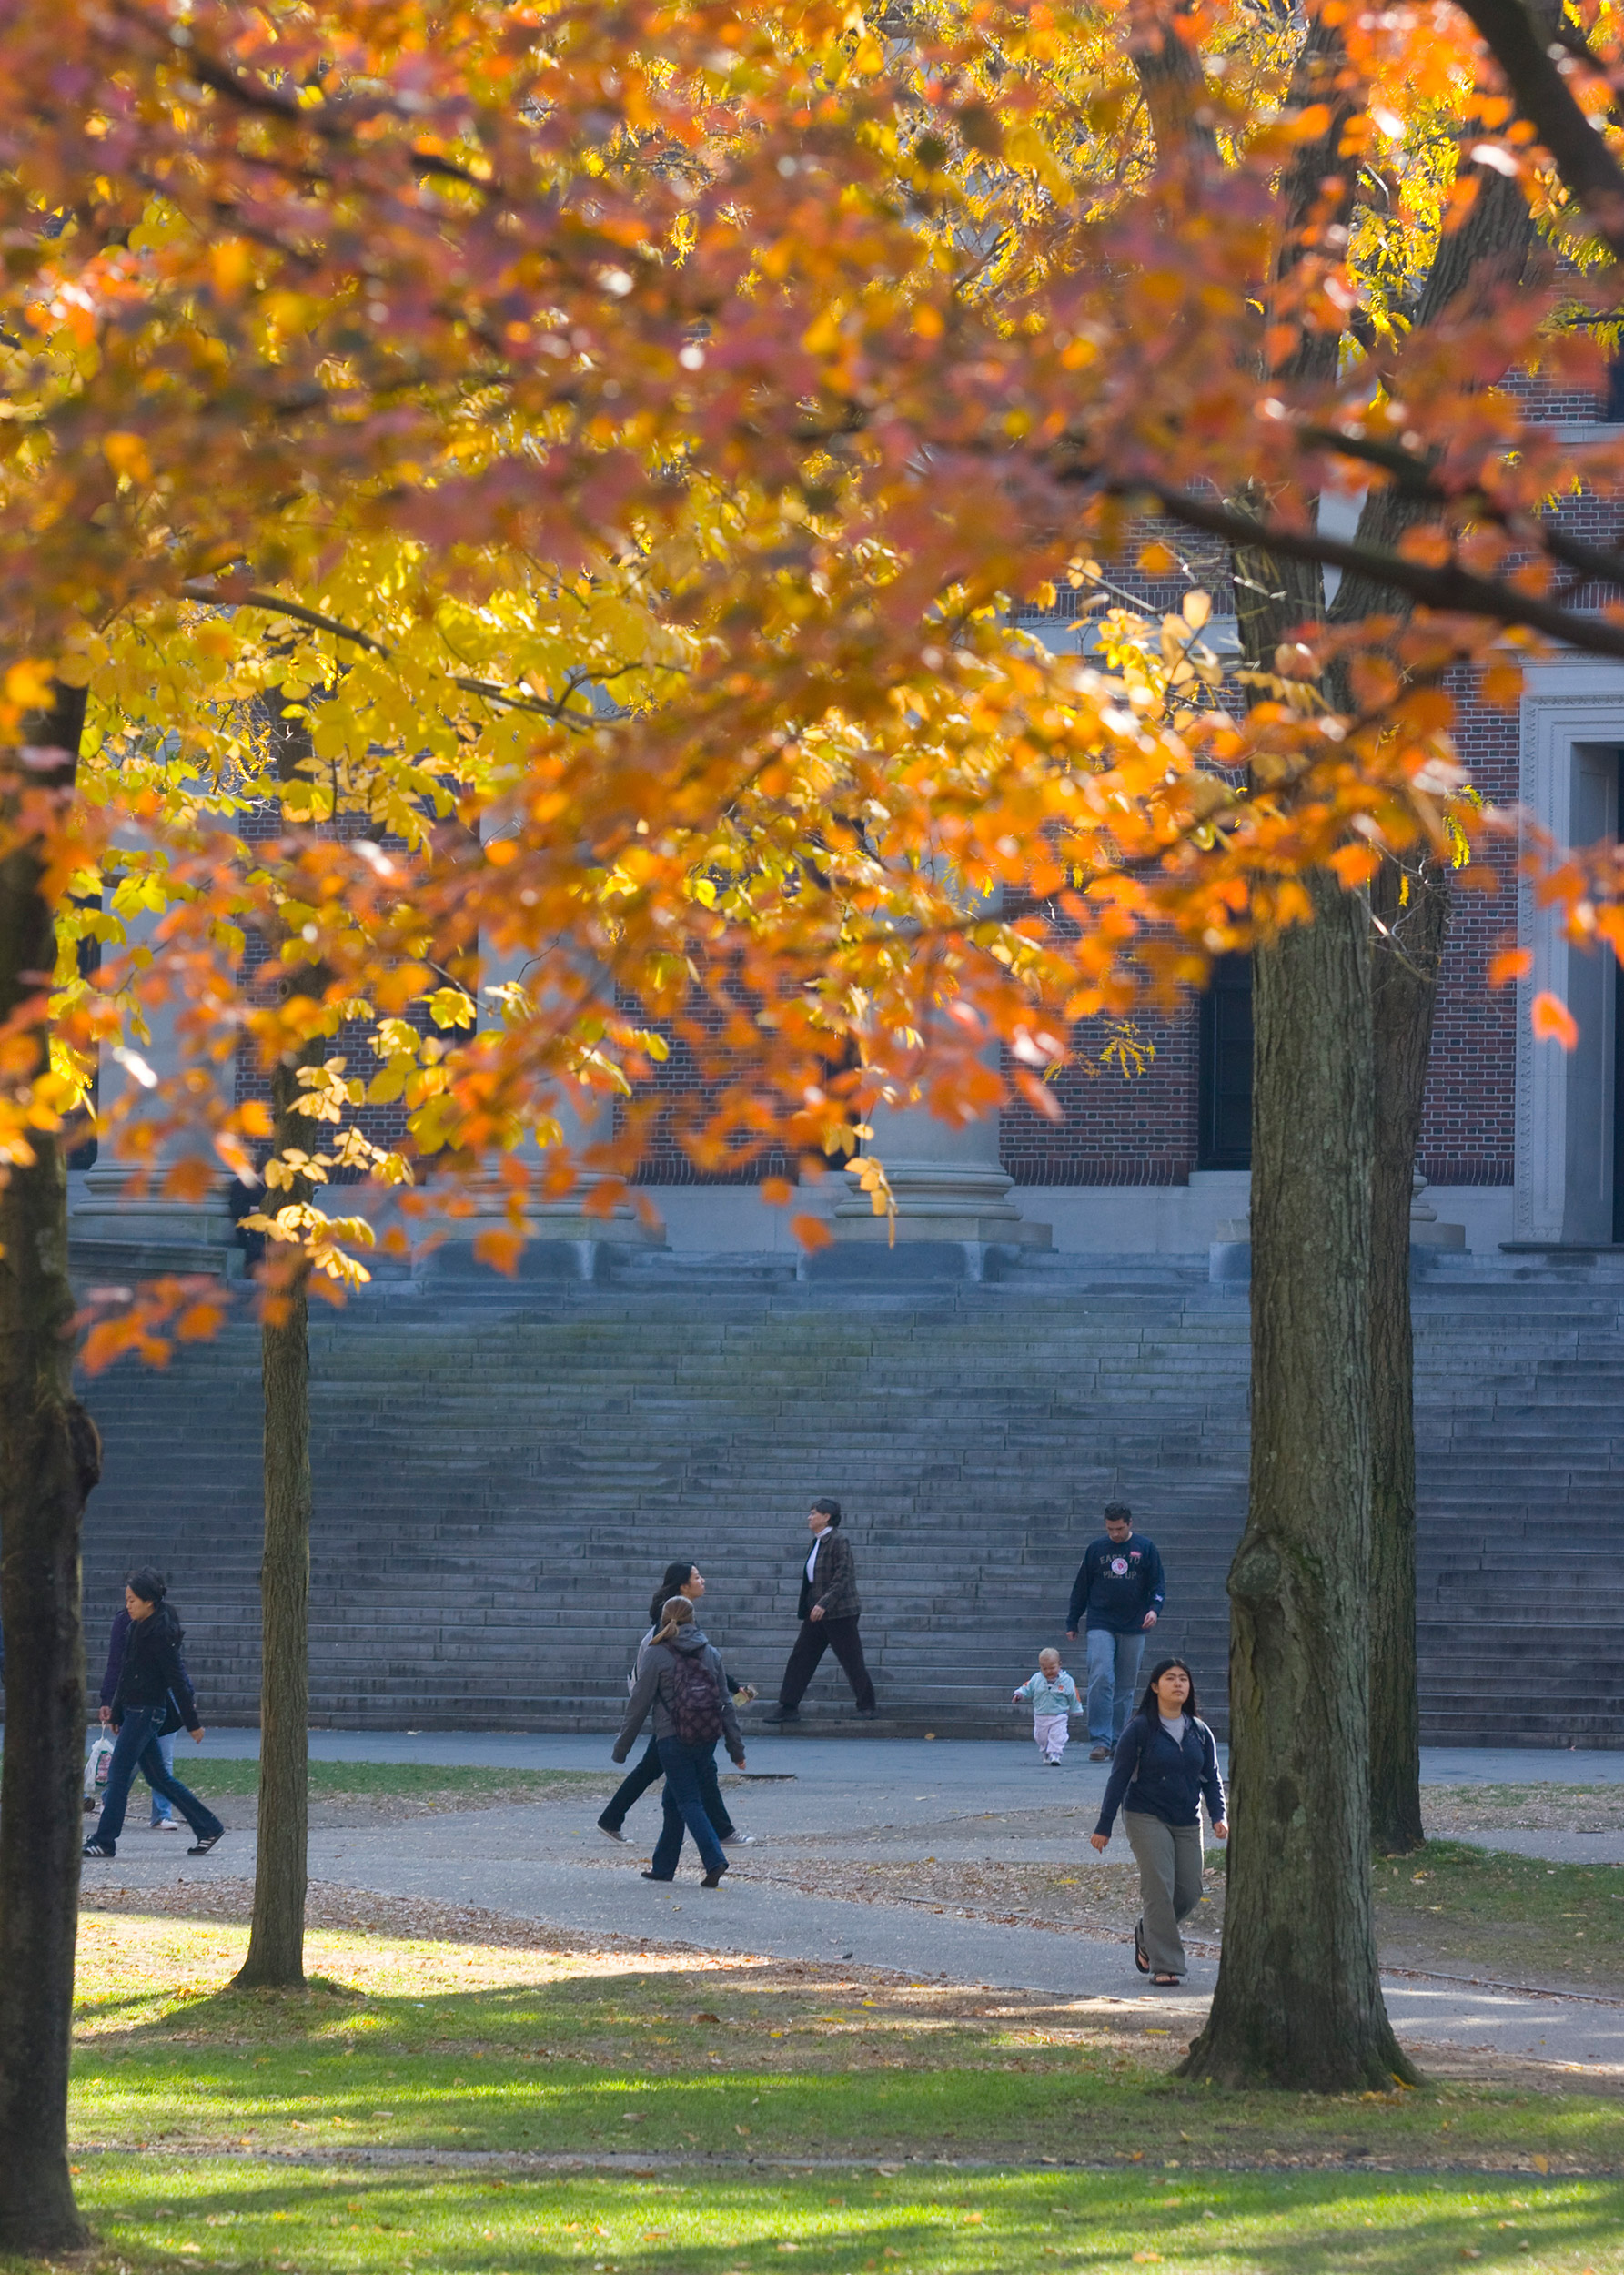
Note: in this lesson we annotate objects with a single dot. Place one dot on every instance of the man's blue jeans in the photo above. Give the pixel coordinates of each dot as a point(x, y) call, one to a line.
point(685, 1781)
point(137, 1748)
point(1112, 1671)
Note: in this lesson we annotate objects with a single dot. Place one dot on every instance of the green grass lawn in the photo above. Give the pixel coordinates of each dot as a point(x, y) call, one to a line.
point(1521, 1918)
point(216, 1780)
point(404, 2046)
point(216, 2129)
point(219, 2215)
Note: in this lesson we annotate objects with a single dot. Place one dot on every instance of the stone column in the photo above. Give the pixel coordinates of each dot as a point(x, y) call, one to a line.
point(112, 1230)
point(948, 1184)
point(563, 1239)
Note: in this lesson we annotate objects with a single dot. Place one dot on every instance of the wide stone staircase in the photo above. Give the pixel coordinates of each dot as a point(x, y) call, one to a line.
point(500, 1473)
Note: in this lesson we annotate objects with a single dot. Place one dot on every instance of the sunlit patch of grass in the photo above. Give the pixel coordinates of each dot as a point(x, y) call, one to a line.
point(404, 2044)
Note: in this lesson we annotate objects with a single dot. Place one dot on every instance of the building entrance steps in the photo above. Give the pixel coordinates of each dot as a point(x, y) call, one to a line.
point(501, 1473)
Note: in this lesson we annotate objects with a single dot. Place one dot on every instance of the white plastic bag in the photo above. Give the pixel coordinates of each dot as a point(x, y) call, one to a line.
point(96, 1767)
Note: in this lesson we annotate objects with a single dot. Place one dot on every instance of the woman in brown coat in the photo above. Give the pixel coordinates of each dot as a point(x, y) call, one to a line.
point(830, 1608)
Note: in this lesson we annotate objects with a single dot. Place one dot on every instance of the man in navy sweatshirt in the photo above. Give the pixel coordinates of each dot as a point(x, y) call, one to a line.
point(1117, 1595)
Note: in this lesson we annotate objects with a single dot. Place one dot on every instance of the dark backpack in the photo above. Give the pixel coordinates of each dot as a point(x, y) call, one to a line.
point(696, 1699)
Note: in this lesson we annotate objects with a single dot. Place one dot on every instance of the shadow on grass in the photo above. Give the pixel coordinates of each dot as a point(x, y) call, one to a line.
point(935, 2224)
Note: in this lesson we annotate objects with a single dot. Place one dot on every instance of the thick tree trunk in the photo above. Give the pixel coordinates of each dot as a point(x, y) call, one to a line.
point(50, 1457)
point(1406, 958)
point(1298, 2002)
point(276, 1940)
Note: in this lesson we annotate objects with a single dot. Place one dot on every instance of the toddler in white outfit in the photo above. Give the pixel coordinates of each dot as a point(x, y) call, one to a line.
point(1053, 1696)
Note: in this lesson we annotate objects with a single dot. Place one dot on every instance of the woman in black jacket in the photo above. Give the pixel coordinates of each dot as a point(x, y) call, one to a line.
point(1167, 1763)
point(153, 1696)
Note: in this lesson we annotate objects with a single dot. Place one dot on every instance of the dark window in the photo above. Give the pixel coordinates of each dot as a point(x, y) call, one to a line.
point(1618, 1055)
point(1225, 1139)
point(1613, 406)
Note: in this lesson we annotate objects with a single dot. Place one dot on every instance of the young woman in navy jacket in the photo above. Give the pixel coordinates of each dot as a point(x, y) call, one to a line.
point(1166, 1764)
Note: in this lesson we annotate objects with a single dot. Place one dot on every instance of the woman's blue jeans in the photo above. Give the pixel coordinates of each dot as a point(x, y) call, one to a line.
point(685, 1767)
point(137, 1748)
point(161, 1809)
point(648, 1773)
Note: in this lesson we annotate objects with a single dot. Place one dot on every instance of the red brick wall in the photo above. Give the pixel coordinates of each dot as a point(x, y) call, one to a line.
point(1115, 1132)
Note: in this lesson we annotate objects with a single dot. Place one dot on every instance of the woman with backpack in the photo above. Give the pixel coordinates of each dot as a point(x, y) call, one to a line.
point(684, 1578)
point(1167, 1763)
point(682, 1684)
point(154, 1697)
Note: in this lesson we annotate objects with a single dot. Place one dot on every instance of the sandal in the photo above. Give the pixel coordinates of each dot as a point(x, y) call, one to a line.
point(1167, 1982)
point(1141, 1956)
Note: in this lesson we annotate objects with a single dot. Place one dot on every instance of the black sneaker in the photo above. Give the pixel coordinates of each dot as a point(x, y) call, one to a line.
point(97, 1848)
point(781, 1713)
point(205, 1842)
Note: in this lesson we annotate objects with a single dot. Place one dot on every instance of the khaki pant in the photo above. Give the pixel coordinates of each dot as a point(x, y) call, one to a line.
point(1169, 1861)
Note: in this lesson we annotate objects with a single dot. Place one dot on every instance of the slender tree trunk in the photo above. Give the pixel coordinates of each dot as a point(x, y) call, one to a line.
point(1405, 957)
point(275, 1955)
point(276, 1940)
point(50, 1457)
point(1298, 2001)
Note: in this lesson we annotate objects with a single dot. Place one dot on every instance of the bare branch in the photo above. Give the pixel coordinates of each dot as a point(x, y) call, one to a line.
point(1452, 589)
point(1540, 91)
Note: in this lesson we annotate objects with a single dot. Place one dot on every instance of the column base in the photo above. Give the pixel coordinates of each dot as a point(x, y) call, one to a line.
point(872, 1231)
point(112, 1233)
point(939, 1201)
point(934, 1257)
point(563, 1241)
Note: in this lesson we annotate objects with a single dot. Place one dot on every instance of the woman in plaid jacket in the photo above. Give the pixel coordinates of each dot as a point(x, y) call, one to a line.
point(830, 1608)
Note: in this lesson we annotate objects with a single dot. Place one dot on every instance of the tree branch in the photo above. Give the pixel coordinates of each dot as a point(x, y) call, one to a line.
point(1452, 589)
point(273, 605)
point(1541, 93)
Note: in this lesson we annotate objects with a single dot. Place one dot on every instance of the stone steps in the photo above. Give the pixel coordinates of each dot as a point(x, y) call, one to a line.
point(500, 1476)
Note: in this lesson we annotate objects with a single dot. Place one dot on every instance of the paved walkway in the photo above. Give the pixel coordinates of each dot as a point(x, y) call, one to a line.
point(889, 1764)
point(898, 1800)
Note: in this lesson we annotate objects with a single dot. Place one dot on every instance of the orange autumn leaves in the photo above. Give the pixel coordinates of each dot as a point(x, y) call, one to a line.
point(612, 439)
